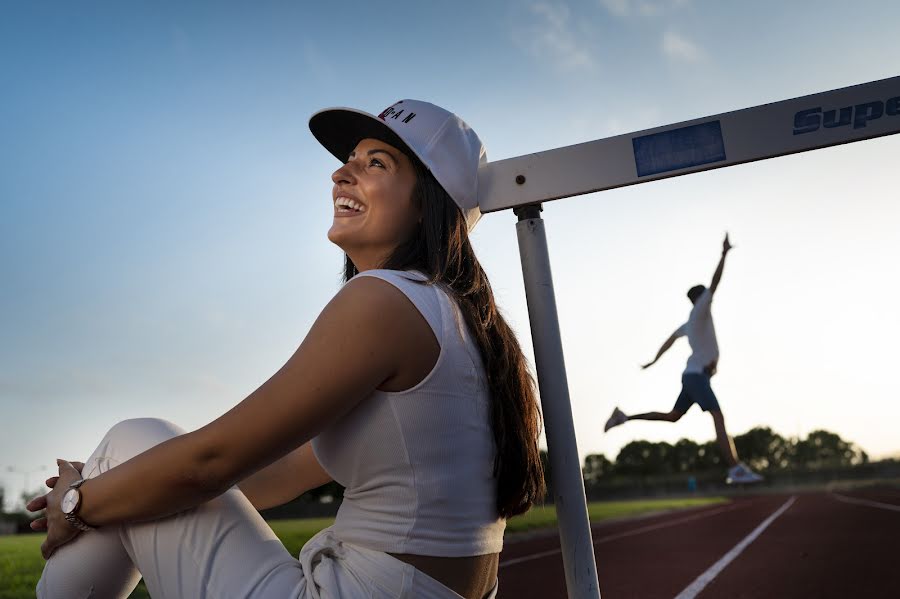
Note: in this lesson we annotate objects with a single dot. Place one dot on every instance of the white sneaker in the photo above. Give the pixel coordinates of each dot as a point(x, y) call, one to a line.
point(618, 417)
point(741, 474)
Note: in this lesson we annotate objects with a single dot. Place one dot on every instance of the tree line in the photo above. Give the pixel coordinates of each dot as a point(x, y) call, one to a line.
point(760, 448)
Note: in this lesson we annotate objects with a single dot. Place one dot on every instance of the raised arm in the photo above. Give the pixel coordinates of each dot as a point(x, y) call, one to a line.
point(665, 346)
point(717, 276)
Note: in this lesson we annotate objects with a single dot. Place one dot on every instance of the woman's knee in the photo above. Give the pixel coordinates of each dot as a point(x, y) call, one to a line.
point(675, 415)
point(145, 428)
point(129, 438)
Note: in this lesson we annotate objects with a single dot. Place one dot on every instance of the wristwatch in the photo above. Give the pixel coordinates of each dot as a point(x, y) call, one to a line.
point(71, 501)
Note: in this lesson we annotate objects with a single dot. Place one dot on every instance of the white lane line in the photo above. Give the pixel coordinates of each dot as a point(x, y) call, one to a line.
point(707, 577)
point(627, 533)
point(649, 527)
point(528, 558)
point(867, 502)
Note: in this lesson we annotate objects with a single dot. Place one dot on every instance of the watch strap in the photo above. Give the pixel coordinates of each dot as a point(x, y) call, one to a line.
point(78, 522)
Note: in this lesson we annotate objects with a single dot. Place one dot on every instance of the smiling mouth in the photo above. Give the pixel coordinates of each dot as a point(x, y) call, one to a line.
point(348, 206)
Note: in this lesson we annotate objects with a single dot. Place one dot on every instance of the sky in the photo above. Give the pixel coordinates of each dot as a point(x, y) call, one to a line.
point(163, 206)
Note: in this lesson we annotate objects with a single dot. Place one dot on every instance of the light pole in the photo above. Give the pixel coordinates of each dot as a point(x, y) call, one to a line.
point(26, 474)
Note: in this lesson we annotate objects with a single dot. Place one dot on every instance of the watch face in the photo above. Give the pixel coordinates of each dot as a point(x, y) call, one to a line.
point(70, 501)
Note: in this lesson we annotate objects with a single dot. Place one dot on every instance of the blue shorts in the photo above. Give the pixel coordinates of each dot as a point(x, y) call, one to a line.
point(695, 389)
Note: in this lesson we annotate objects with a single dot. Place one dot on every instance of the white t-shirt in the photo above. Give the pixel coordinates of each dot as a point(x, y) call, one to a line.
point(701, 335)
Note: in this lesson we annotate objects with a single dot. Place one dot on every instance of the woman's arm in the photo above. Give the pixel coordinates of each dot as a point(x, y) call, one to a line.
point(353, 347)
point(286, 479)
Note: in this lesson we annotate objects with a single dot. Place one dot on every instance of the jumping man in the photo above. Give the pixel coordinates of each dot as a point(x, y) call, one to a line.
point(701, 366)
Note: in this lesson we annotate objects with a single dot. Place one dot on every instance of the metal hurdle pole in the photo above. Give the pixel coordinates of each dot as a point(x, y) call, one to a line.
point(568, 484)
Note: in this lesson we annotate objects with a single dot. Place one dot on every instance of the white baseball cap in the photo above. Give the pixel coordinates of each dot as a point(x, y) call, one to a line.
point(444, 143)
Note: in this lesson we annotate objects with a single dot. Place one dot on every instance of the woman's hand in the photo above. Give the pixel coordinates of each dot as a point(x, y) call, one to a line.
point(59, 531)
point(39, 503)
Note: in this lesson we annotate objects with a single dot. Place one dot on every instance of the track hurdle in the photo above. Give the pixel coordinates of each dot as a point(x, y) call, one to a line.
point(524, 183)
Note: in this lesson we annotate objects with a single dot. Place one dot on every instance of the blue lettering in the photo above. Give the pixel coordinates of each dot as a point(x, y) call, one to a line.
point(828, 118)
point(807, 121)
point(892, 106)
point(867, 112)
point(811, 119)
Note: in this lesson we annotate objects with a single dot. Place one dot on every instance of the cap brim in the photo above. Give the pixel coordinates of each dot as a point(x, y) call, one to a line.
point(339, 130)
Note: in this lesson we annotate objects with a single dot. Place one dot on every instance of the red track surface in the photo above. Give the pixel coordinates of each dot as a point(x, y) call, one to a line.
point(819, 547)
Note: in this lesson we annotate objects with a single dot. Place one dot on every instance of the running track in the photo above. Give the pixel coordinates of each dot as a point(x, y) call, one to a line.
point(844, 544)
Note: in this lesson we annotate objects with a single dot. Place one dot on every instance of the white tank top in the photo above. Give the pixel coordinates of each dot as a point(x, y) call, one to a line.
point(417, 465)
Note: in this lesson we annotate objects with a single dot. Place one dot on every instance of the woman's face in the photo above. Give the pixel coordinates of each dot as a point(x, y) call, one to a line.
point(373, 206)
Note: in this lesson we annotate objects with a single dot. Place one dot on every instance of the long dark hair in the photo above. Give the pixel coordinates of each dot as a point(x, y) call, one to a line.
point(441, 250)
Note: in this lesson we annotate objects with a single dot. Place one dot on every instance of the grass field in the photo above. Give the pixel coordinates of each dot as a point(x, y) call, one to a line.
point(21, 563)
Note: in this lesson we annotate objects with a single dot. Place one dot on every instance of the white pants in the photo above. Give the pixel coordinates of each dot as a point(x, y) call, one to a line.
point(218, 550)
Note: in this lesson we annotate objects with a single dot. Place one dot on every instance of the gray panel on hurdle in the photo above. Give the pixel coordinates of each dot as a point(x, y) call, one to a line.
point(808, 123)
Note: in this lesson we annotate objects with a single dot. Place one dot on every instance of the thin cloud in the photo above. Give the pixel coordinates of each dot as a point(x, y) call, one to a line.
point(553, 37)
point(642, 8)
point(679, 48)
point(620, 8)
point(642, 118)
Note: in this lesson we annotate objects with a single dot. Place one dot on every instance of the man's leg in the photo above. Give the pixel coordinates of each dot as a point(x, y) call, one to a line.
point(706, 399)
point(619, 417)
point(726, 445)
point(697, 385)
point(672, 416)
point(682, 405)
